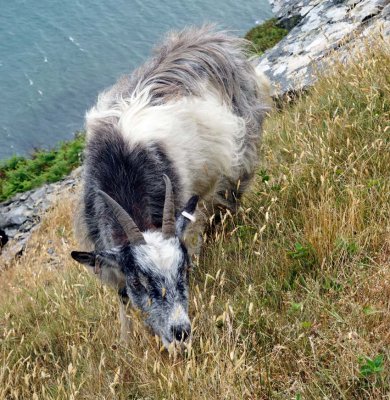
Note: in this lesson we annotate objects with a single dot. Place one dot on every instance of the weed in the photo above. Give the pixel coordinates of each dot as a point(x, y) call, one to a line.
point(370, 366)
point(19, 174)
point(296, 307)
point(266, 35)
point(263, 175)
point(301, 252)
point(349, 246)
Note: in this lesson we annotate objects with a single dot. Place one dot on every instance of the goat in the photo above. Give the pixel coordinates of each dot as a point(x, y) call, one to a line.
point(184, 126)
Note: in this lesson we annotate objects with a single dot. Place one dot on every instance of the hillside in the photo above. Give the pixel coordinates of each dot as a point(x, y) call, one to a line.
point(290, 298)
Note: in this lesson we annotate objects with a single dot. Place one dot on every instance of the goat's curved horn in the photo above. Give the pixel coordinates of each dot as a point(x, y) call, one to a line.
point(168, 224)
point(131, 229)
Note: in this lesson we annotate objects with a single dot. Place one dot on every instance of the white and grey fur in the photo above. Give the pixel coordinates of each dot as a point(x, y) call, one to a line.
point(193, 113)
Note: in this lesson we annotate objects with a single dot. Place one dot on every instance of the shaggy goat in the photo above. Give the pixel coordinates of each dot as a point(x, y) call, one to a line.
point(184, 126)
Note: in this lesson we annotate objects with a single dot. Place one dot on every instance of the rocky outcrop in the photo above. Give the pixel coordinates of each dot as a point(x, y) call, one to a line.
point(318, 29)
point(21, 215)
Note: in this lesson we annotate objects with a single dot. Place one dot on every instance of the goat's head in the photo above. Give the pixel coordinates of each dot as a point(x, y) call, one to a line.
point(153, 268)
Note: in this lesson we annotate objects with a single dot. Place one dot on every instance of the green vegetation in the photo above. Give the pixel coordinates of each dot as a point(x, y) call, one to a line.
point(290, 298)
point(370, 366)
point(19, 174)
point(266, 35)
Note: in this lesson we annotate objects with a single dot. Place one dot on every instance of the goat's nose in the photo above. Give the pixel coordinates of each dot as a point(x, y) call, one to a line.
point(181, 332)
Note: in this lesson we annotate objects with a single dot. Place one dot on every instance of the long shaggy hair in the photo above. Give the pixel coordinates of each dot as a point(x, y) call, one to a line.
point(202, 99)
point(184, 126)
point(201, 102)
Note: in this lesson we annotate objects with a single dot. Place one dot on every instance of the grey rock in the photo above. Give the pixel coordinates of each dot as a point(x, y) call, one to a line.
point(76, 173)
point(290, 22)
point(328, 27)
point(11, 251)
point(21, 215)
point(17, 216)
point(284, 9)
point(2, 221)
point(39, 193)
point(11, 232)
point(23, 196)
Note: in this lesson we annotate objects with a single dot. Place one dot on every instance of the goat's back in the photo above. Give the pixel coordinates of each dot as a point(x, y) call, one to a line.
point(200, 99)
point(189, 60)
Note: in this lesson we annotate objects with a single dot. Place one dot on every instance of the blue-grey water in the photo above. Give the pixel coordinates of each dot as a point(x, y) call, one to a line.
point(56, 55)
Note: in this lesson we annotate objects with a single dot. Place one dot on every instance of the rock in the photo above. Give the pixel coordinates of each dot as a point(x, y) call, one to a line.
point(12, 232)
point(39, 194)
point(319, 28)
point(21, 215)
point(13, 250)
point(23, 196)
point(285, 8)
point(76, 173)
point(291, 12)
point(17, 216)
point(2, 221)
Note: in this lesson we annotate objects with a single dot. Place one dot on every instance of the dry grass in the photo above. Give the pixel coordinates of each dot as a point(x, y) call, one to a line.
point(291, 298)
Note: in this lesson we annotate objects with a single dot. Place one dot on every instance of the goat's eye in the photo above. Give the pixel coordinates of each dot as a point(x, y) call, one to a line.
point(138, 284)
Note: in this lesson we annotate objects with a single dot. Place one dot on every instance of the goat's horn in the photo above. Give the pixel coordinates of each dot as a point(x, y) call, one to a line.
point(168, 223)
point(131, 229)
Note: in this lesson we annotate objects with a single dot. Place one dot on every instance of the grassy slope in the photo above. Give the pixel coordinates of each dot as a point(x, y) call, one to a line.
point(19, 174)
point(290, 299)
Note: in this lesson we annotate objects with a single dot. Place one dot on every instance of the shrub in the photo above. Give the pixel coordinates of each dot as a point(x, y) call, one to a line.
point(19, 174)
point(266, 35)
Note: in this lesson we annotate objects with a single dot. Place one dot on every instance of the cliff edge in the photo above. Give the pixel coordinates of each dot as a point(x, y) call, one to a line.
point(319, 29)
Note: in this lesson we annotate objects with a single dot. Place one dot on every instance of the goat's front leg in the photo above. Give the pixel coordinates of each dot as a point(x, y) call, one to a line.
point(124, 319)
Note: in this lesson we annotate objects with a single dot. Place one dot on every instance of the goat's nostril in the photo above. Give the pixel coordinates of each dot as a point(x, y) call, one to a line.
point(178, 335)
point(181, 333)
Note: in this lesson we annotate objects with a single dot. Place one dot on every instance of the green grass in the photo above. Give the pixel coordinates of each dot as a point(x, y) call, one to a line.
point(290, 297)
point(266, 35)
point(19, 174)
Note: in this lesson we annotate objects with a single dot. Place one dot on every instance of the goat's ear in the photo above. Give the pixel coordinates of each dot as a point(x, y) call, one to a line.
point(186, 216)
point(84, 257)
point(101, 264)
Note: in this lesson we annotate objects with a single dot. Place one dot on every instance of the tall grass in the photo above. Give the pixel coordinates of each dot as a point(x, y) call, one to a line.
point(289, 300)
